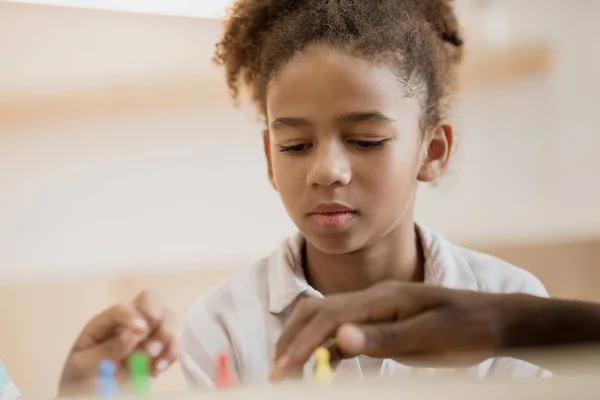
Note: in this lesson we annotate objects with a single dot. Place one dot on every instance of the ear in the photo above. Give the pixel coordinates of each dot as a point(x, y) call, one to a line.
point(437, 150)
point(267, 150)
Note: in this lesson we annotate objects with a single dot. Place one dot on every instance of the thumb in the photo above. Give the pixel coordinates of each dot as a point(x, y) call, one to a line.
point(115, 349)
point(103, 327)
point(351, 340)
point(373, 340)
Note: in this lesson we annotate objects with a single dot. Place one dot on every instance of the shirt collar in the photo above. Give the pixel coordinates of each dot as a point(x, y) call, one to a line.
point(287, 281)
point(444, 263)
point(286, 276)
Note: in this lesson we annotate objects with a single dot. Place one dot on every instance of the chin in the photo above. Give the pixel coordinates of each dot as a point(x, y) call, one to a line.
point(334, 243)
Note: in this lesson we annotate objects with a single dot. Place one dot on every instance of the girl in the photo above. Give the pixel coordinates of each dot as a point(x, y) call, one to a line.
point(355, 97)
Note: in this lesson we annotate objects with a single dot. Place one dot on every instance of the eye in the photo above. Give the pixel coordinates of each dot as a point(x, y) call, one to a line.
point(368, 144)
point(295, 149)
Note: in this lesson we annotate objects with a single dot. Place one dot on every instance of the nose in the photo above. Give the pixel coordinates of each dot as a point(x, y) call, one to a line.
point(330, 166)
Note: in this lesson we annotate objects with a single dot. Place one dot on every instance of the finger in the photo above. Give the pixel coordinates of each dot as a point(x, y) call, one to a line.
point(301, 314)
point(170, 354)
point(110, 322)
point(297, 371)
point(160, 341)
point(311, 324)
point(295, 354)
point(392, 339)
point(163, 363)
point(335, 354)
point(387, 301)
point(85, 362)
point(439, 334)
point(351, 340)
point(345, 307)
point(149, 305)
point(316, 321)
point(162, 346)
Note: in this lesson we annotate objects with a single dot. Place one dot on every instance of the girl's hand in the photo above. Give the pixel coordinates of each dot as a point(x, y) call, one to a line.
point(144, 324)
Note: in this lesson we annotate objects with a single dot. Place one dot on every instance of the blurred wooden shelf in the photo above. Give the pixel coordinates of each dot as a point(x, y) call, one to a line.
point(491, 67)
point(208, 91)
point(117, 99)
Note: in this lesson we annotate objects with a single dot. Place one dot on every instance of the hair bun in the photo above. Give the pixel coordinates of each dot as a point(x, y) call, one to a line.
point(452, 38)
point(441, 15)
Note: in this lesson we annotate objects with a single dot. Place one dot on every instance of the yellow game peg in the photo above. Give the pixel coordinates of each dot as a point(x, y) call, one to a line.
point(323, 371)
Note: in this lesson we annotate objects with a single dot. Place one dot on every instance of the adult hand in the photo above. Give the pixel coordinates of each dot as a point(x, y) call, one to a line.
point(397, 320)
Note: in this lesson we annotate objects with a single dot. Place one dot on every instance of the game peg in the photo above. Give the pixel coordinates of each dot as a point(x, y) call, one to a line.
point(323, 371)
point(107, 383)
point(223, 379)
point(139, 370)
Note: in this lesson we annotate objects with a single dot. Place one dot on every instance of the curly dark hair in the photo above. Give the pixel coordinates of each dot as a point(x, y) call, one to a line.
point(420, 38)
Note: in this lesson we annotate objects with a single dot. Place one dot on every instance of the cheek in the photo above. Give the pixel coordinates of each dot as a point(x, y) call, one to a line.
point(288, 173)
point(394, 169)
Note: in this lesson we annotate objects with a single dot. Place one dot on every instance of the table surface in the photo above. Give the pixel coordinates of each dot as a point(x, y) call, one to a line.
point(579, 378)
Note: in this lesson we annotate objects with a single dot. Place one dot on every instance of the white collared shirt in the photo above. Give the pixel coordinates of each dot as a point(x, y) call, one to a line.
point(243, 317)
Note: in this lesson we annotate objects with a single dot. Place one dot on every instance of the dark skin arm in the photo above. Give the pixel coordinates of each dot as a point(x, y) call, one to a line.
point(416, 324)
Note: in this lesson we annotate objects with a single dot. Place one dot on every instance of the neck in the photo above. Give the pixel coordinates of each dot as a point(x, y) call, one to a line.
point(397, 256)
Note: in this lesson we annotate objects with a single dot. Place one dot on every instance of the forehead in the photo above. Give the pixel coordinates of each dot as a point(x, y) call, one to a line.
point(322, 81)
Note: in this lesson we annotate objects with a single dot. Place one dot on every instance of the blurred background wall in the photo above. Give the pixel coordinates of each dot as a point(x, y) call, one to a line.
point(124, 166)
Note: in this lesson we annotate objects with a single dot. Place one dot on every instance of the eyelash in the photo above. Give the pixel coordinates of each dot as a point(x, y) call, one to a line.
point(368, 144)
point(295, 149)
point(361, 144)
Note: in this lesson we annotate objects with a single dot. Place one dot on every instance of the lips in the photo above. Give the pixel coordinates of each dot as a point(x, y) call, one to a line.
point(332, 215)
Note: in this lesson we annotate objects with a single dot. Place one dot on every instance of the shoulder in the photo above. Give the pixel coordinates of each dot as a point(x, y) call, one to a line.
point(235, 318)
point(496, 275)
point(461, 268)
point(248, 293)
point(248, 286)
point(218, 320)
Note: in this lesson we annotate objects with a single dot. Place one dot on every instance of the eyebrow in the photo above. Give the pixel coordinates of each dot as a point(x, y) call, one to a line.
point(356, 117)
point(347, 118)
point(288, 122)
